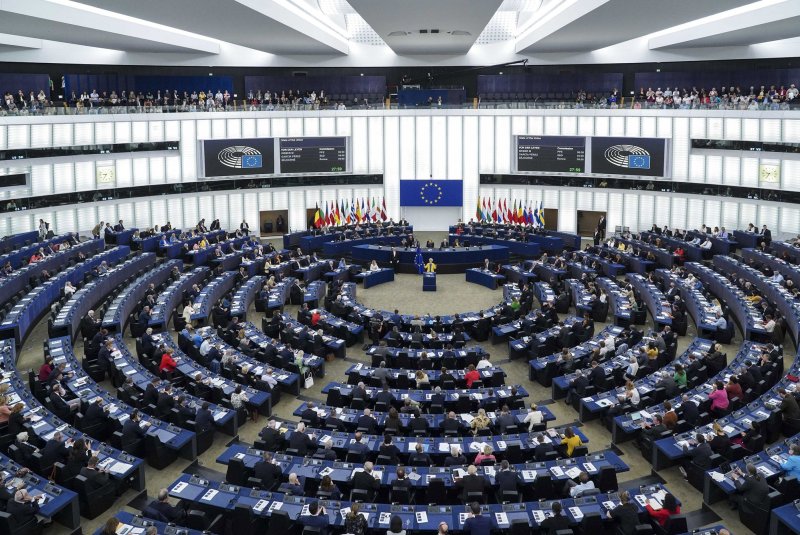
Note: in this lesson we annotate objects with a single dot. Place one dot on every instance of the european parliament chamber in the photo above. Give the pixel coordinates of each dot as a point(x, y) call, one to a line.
point(325, 267)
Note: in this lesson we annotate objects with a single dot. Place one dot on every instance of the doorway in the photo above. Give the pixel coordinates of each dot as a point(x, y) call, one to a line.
point(273, 222)
point(587, 222)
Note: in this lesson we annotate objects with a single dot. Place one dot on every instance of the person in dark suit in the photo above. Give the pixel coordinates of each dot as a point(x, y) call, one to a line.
point(788, 406)
point(327, 452)
point(359, 392)
point(766, 235)
point(700, 455)
point(334, 422)
point(317, 518)
point(419, 457)
point(267, 471)
point(476, 523)
point(185, 412)
point(451, 423)
point(271, 436)
point(203, 419)
point(358, 447)
point(23, 508)
point(506, 478)
point(601, 226)
point(55, 450)
point(95, 479)
point(752, 490)
point(162, 506)
point(96, 414)
point(626, 514)
point(132, 430)
point(456, 457)
point(556, 522)
point(543, 447)
point(384, 396)
point(577, 386)
point(165, 402)
point(310, 415)
point(367, 423)
point(299, 440)
point(388, 449)
point(597, 376)
point(364, 480)
point(471, 482)
point(504, 420)
point(689, 411)
point(394, 259)
point(418, 424)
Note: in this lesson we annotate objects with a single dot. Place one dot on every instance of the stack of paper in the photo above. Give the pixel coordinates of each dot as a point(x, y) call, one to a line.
point(422, 517)
point(501, 518)
point(577, 514)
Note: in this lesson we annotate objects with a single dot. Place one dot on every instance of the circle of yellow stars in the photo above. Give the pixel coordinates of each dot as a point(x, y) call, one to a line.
point(438, 195)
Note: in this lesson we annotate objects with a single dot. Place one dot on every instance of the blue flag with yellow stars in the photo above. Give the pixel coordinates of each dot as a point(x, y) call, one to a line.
point(431, 192)
point(419, 262)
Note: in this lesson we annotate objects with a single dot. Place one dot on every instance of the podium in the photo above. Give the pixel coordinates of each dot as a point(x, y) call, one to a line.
point(429, 282)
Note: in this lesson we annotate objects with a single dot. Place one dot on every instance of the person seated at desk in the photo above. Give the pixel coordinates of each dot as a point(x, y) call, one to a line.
point(419, 457)
point(470, 483)
point(555, 523)
point(310, 415)
point(317, 518)
point(429, 244)
point(23, 508)
point(719, 399)
point(327, 486)
point(486, 455)
point(96, 478)
point(266, 471)
point(480, 422)
point(271, 436)
point(163, 509)
point(570, 441)
point(626, 514)
point(167, 364)
point(367, 423)
point(699, 455)
point(504, 420)
point(96, 414)
point(752, 491)
point(132, 430)
point(788, 407)
point(669, 508)
point(389, 450)
point(430, 267)
point(366, 481)
point(299, 440)
point(575, 489)
point(456, 457)
point(373, 266)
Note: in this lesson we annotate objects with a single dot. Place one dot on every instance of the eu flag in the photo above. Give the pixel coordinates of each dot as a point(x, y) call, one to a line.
point(639, 161)
point(251, 161)
point(431, 192)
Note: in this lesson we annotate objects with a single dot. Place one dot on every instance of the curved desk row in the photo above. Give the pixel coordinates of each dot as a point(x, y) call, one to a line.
point(699, 308)
point(21, 278)
point(447, 260)
point(528, 249)
point(68, 320)
point(660, 309)
point(121, 308)
point(22, 318)
point(173, 295)
point(245, 295)
point(211, 293)
point(544, 368)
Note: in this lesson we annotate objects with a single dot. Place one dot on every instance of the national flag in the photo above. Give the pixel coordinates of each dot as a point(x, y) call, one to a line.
point(519, 213)
point(363, 210)
point(367, 211)
point(508, 212)
point(514, 213)
point(376, 210)
point(541, 212)
point(317, 217)
point(358, 211)
point(478, 213)
point(494, 210)
point(338, 215)
point(327, 215)
point(525, 215)
point(384, 217)
point(536, 217)
point(353, 211)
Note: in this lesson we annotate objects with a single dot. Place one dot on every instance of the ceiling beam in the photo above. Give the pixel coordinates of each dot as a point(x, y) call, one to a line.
point(291, 15)
point(749, 16)
point(555, 19)
point(72, 13)
point(19, 41)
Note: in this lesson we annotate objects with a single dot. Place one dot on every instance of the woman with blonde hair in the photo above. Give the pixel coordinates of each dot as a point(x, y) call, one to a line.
point(354, 522)
point(480, 422)
point(486, 455)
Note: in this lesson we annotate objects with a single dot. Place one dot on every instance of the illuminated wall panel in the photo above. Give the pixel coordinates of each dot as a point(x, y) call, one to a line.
point(439, 156)
point(502, 142)
point(361, 145)
point(375, 125)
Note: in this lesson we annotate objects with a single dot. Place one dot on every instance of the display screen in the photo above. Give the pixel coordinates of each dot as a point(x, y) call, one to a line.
point(237, 157)
point(557, 154)
point(313, 155)
point(13, 181)
point(635, 156)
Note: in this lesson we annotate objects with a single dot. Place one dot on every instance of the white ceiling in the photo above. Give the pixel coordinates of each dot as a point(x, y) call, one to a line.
point(359, 33)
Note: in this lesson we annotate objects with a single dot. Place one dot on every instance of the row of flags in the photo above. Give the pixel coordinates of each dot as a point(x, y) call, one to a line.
point(499, 212)
point(344, 212)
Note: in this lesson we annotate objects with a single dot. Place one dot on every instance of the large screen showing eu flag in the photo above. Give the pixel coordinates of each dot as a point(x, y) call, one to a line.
point(236, 157)
point(638, 156)
point(431, 192)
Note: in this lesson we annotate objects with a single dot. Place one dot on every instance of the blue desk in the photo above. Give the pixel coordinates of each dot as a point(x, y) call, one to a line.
point(19, 256)
point(341, 472)
point(694, 253)
point(314, 293)
point(336, 249)
point(67, 321)
point(485, 278)
point(700, 309)
point(223, 497)
point(313, 271)
point(314, 363)
point(121, 308)
point(447, 260)
point(539, 344)
point(515, 273)
point(779, 248)
point(175, 249)
point(130, 522)
point(543, 369)
point(16, 241)
point(333, 344)
point(746, 240)
point(277, 296)
point(621, 306)
point(167, 300)
point(660, 309)
point(150, 243)
point(529, 249)
point(245, 295)
point(128, 366)
point(211, 293)
point(261, 401)
point(463, 357)
point(784, 520)
point(491, 377)
point(24, 315)
point(61, 504)
point(122, 466)
point(122, 237)
point(373, 278)
point(429, 282)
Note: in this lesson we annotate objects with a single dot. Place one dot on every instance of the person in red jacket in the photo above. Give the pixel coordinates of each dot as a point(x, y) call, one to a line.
point(472, 375)
point(669, 507)
point(168, 364)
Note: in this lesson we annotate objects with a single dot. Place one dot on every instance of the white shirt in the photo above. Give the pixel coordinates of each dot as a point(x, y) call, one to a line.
point(706, 244)
point(205, 347)
point(633, 369)
point(533, 418)
point(483, 364)
point(635, 399)
point(580, 487)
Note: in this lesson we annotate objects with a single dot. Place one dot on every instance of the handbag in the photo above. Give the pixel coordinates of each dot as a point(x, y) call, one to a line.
point(309, 380)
